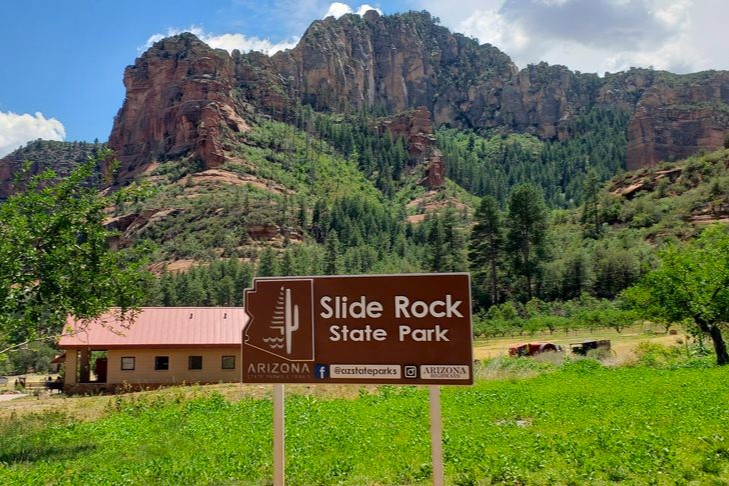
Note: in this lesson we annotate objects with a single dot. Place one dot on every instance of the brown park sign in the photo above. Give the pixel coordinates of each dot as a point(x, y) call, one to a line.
point(377, 329)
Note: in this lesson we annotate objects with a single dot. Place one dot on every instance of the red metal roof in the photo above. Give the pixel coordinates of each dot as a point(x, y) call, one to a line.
point(159, 326)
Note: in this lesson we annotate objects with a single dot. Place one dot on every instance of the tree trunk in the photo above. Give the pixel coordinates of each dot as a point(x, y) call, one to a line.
point(722, 357)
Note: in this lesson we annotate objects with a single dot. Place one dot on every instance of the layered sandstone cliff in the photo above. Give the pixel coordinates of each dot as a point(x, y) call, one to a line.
point(404, 61)
point(183, 97)
point(678, 116)
point(179, 101)
point(393, 62)
point(415, 127)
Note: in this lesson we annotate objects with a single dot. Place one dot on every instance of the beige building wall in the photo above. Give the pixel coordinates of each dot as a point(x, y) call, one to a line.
point(178, 372)
point(69, 378)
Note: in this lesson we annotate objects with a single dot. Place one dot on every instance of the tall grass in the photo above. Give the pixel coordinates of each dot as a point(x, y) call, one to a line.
point(574, 423)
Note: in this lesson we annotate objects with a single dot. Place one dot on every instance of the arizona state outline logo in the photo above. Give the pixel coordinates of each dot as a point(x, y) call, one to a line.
point(289, 333)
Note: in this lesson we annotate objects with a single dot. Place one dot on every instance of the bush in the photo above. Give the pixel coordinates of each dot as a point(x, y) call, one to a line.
point(600, 354)
point(672, 357)
point(35, 358)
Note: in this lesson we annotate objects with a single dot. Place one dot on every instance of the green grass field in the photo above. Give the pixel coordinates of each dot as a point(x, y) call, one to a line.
point(577, 423)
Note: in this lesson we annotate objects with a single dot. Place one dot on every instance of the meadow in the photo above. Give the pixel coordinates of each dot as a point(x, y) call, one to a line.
point(662, 420)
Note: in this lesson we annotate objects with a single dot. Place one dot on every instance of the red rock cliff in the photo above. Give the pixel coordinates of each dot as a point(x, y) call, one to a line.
point(179, 101)
point(183, 96)
point(415, 127)
point(673, 121)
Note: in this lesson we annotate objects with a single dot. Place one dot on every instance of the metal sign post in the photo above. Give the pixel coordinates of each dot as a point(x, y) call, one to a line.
point(279, 461)
point(436, 436)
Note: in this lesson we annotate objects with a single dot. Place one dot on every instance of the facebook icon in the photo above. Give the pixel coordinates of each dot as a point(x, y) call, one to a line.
point(321, 371)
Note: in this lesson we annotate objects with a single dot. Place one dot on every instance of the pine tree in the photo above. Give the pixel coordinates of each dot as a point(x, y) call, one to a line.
point(169, 290)
point(287, 264)
point(590, 209)
point(302, 213)
point(195, 294)
point(267, 263)
point(454, 241)
point(226, 291)
point(486, 244)
point(331, 259)
point(437, 247)
point(527, 232)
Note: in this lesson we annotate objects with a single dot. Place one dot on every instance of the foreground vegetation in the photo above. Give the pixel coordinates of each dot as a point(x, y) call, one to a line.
point(573, 423)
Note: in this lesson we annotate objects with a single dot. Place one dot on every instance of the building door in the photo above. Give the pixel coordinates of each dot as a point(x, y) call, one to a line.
point(101, 367)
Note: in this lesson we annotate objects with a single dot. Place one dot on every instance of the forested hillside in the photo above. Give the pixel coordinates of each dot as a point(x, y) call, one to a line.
point(61, 157)
point(493, 162)
point(320, 196)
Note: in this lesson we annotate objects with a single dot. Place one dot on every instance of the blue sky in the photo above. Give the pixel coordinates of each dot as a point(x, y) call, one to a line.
point(66, 59)
point(63, 61)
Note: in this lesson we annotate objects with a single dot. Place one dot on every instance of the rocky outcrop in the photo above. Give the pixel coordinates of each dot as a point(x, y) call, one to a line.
point(403, 61)
point(415, 127)
point(394, 63)
point(184, 98)
point(678, 116)
point(179, 101)
point(633, 183)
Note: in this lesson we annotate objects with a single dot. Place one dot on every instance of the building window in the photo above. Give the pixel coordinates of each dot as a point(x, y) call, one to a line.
point(127, 363)
point(228, 362)
point(194, 362)
point(161, 363)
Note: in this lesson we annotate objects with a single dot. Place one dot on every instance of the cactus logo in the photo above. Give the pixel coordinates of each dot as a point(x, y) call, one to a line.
point(281, 318)
point(285, 322)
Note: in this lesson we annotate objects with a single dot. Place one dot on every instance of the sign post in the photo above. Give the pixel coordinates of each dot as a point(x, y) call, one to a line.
point(436, 436)
point(412, 329)
point(279, 461)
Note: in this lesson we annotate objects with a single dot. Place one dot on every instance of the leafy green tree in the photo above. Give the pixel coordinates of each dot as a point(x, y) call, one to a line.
point(526, 237)
point(690, 283)
point(34, 357)
point(576, 275)
point(56, 261)
point(616, 269)
point(486, 244)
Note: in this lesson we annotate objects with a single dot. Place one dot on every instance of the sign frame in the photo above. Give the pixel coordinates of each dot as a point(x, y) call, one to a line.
point(315, 361)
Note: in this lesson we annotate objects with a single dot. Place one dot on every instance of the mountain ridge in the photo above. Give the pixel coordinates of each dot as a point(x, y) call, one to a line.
point(184, 98)
point(397, 63)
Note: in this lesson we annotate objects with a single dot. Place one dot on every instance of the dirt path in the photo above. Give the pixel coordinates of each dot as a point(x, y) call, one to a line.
point(10, 396)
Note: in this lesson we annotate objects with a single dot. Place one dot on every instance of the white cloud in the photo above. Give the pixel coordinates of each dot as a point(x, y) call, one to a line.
point(595, 35)
point(229, 42)
point(16, 130)
point(337, 9)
